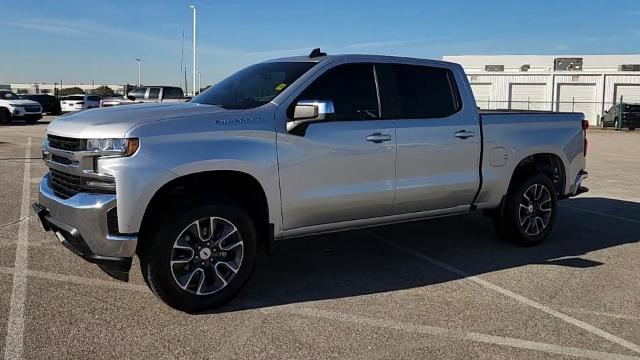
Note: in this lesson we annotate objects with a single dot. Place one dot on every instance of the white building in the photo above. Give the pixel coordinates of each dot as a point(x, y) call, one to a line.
point(584, 83)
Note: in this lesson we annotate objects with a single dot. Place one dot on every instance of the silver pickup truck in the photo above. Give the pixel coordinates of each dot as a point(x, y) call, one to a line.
point(293, 147)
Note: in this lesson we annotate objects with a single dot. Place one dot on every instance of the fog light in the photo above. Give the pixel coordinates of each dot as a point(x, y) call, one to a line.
point(101, 185)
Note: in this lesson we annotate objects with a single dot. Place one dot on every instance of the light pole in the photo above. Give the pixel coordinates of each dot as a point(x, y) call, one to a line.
point(194, 48)
point(199, 84)
point(139, 62)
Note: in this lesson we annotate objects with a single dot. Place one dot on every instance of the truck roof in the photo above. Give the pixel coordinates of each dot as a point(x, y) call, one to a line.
point(358, 57)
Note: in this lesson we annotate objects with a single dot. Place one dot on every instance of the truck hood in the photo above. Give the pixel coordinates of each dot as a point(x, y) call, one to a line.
point(113, 122)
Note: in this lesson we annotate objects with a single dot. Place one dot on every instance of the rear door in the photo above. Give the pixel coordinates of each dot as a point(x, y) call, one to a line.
point(438, 138)
point(340, 170)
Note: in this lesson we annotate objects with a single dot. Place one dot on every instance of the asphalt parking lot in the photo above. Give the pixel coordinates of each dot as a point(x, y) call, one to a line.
point(445, 288)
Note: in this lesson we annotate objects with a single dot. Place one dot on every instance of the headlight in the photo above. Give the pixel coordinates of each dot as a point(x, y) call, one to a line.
point(113, 147)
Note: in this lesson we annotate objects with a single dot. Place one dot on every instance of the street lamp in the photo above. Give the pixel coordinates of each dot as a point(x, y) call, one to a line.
point(194, 48)
point(139, 62)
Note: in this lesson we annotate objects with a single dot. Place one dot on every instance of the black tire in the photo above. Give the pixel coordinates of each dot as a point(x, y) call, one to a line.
point(516, 219)
point(159, 249)
point(5, 116)
point(632, 128)
point(31, 121)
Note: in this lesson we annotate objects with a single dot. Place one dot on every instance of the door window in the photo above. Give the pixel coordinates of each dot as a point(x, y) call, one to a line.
point(154, 93)
point(421, 92)
point(351, 87)
point(138, 93)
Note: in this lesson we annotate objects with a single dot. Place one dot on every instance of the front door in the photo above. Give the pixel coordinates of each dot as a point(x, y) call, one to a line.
point(340, 170)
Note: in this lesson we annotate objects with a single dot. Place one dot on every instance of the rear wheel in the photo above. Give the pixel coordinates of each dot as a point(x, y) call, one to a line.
point(632, 128)
point(529, 211)
point(201, 258)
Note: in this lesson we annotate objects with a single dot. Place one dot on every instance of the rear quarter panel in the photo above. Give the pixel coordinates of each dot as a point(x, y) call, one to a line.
point(515, 136)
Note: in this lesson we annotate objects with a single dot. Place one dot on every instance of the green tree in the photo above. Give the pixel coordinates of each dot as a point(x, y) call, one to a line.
point(23, 91)
point(70, 91)
point(46, 91)
point(103, 90)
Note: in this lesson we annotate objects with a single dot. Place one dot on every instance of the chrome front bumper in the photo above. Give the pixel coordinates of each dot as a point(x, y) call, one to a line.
point(80, 223)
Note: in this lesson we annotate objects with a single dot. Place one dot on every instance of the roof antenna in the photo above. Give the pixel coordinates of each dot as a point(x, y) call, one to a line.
point(316, 53)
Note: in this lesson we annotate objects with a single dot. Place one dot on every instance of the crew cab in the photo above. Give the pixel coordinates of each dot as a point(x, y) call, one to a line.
point(293, 147)
point(12, 107)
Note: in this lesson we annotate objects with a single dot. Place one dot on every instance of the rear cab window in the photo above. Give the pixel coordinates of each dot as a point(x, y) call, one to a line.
point(418, 92)
point(154, 93)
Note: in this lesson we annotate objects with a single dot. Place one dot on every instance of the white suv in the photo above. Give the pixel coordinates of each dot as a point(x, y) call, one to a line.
point(79, 102)
point(12, 108)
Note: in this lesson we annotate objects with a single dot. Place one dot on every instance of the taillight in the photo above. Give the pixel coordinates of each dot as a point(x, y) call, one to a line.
point(585, 126)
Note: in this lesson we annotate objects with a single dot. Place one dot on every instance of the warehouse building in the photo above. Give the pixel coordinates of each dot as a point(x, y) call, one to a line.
point(590, 84)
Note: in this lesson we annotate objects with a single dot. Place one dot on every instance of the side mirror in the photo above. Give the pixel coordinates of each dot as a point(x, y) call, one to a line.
point(308, 111)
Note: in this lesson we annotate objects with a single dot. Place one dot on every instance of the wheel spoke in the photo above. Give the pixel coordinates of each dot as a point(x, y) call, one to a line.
point(228, 266)
point(190, 276)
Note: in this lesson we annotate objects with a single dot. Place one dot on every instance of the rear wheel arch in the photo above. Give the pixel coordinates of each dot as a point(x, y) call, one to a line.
point(243, 188)
point(547, 163)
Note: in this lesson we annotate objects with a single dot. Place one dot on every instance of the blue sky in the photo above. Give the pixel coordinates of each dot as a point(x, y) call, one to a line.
point(81, 41)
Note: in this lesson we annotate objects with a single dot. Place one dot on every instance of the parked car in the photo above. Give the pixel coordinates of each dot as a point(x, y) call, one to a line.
point(157, 94)
point(50, 104)
point(79, 102)
point(114, 100)
point(293, 147)
point(12, 107)
point(630, 116)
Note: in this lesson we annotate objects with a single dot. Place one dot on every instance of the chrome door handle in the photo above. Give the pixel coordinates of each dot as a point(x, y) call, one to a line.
point(378, 138)
point(464, 134)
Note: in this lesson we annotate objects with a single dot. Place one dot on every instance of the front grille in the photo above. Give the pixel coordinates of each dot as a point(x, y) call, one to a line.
point(60, 159)
point(64, 185)
point(32, 108)
point(65, 143)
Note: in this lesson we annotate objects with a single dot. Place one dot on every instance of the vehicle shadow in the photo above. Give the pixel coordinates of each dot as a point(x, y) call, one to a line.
point(24, 123)
point(359, 263)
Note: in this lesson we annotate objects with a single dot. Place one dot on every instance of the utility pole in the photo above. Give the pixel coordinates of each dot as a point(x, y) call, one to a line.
point(194, 49)
point(139, 62)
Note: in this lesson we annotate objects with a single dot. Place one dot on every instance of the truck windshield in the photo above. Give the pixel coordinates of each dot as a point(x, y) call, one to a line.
point(253, 86)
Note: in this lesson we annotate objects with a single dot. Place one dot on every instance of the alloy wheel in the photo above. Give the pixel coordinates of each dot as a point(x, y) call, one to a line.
point(535, 209)
point(206, 256)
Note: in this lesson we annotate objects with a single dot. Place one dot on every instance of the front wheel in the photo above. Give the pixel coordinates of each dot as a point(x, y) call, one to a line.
point(5, 116)
point(529, 211)
point(201, 258)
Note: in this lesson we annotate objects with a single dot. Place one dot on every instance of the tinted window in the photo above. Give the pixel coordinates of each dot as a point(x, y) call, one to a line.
point(74, 97)
point(352, 89)
point(138, 93)
point(253, 86)
point(8, 95)
point(154, 93)
point(94, 98)
point(173, 93)
point(423, 92)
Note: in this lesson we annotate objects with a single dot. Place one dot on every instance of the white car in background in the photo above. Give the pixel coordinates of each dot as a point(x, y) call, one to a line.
point(79, 102)
point(14, 108)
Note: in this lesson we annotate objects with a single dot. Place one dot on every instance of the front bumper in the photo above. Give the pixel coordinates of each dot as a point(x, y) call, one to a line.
point(80, 223)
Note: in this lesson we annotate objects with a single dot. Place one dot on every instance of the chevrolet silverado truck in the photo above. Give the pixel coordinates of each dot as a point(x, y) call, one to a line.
point(292, 147)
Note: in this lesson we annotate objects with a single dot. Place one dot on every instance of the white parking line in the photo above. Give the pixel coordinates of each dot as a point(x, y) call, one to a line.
point(601, 313)
point(75, 279)
point(573, 321)
point(452, 334)
point(601, 214)
point(15, 325)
